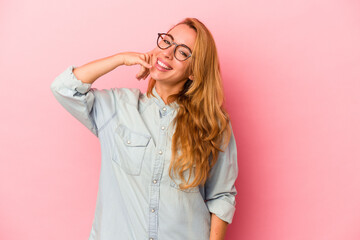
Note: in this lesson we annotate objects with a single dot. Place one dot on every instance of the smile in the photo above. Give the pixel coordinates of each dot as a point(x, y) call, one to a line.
point(162, 66)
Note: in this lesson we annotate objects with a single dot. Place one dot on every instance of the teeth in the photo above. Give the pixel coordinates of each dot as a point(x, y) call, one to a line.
point(163, 65)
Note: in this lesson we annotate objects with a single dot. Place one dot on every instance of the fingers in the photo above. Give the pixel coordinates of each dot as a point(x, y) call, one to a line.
point(145, 62)
point(141, 73)
point(143, 59)
point(150, 53)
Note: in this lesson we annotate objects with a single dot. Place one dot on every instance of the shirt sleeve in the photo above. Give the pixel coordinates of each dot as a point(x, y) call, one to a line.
point(92, 107)
point(220, 188)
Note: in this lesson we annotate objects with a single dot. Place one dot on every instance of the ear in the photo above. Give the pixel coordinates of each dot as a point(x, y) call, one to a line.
point(191, 77)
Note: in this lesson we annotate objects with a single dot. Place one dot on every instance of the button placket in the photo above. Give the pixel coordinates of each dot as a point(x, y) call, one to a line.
point(163, 112)
point(158, 166)
point(163, 129)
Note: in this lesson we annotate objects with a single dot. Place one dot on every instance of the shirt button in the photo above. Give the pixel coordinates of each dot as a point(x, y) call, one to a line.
point(162, 128)
point(152, 210)
point(164, 109)
point(160, 152)
point(128, 142)
point(155, 181)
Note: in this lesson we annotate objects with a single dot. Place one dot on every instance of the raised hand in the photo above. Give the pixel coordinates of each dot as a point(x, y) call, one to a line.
point(143, 59)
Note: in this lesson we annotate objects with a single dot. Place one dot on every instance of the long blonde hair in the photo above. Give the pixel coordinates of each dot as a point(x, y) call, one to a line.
point(202, 123)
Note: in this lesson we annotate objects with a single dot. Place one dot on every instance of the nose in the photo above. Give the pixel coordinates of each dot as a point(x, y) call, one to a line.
point(169, 52)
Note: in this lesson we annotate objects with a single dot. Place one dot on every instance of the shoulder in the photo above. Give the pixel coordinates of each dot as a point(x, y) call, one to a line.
point(130, 96)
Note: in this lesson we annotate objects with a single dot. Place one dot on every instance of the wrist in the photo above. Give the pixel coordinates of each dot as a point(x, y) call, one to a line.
point(119, 59)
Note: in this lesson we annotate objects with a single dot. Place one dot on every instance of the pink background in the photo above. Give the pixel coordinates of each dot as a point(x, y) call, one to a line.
point(291, 75)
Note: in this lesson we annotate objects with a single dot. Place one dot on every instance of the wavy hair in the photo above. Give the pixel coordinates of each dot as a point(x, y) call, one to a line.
point(202, 123)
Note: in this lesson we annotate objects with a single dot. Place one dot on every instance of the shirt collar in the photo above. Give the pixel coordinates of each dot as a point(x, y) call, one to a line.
point(163, 108)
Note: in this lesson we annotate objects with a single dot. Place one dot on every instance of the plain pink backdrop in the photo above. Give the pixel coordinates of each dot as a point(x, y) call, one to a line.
point(291, 73)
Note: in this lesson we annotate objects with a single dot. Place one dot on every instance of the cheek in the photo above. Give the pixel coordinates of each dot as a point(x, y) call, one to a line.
point(185, 70)
point(181, 67)
point(155, 54)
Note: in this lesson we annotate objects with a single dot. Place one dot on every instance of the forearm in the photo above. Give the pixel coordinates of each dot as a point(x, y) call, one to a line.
point(218, 228)
point(91, 71)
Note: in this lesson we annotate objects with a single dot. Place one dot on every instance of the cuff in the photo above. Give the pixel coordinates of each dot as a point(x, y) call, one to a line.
point(72, 82)
point(221, 208)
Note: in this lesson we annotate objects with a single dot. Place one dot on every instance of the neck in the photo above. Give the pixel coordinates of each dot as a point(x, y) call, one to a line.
point(165, 90)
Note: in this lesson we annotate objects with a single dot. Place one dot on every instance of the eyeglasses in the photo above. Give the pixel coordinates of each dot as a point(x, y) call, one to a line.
point(181, 51)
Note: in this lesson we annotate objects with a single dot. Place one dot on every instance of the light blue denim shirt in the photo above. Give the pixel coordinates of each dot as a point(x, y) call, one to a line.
point(137, 200)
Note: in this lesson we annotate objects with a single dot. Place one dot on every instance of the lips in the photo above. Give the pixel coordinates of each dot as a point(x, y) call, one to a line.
point(163, 65)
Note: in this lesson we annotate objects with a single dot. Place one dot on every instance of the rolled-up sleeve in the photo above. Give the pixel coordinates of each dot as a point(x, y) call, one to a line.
point(92, 107)
point(220, 186)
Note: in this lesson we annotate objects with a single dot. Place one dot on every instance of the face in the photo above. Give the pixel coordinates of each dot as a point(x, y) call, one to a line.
point(177, 70)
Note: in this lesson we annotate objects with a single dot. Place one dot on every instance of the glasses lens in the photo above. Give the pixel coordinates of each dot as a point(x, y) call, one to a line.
point(164, 41)
point(182, 53)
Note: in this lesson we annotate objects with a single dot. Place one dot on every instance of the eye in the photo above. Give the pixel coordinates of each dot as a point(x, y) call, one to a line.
point(166, 41)
point(184, 54)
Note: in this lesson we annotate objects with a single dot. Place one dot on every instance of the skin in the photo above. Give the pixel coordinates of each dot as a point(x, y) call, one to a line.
point(172, 81)
point(218, 228)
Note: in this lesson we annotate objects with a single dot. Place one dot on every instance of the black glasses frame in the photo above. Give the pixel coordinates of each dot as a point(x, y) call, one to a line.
point(173, 43)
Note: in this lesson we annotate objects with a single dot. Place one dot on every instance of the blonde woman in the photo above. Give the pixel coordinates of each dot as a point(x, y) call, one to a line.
point(169, 159)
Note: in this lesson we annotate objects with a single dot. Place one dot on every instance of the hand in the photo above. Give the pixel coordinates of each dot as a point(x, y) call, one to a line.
point(143, 59)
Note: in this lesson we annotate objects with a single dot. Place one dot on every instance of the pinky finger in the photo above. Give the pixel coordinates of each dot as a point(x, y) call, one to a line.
point(146, 76)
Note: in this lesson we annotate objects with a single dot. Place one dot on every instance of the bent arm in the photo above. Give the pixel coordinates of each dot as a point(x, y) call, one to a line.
point(89, 72)
point(92, 107)
point(220, 186)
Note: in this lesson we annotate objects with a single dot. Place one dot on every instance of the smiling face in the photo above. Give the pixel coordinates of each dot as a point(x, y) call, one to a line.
point(166, 68)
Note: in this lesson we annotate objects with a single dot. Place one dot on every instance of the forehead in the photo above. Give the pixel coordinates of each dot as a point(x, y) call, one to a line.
point(183, 34)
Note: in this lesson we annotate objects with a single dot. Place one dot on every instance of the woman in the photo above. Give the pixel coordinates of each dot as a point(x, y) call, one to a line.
point(168, 156)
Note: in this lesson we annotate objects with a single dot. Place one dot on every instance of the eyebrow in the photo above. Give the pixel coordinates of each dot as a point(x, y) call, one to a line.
point(178, 43)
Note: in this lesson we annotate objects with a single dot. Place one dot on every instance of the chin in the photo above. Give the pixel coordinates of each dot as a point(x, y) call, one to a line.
point(156, 77)
point(153, 77)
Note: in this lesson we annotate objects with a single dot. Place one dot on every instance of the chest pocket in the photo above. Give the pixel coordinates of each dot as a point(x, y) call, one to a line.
point(130, 147)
